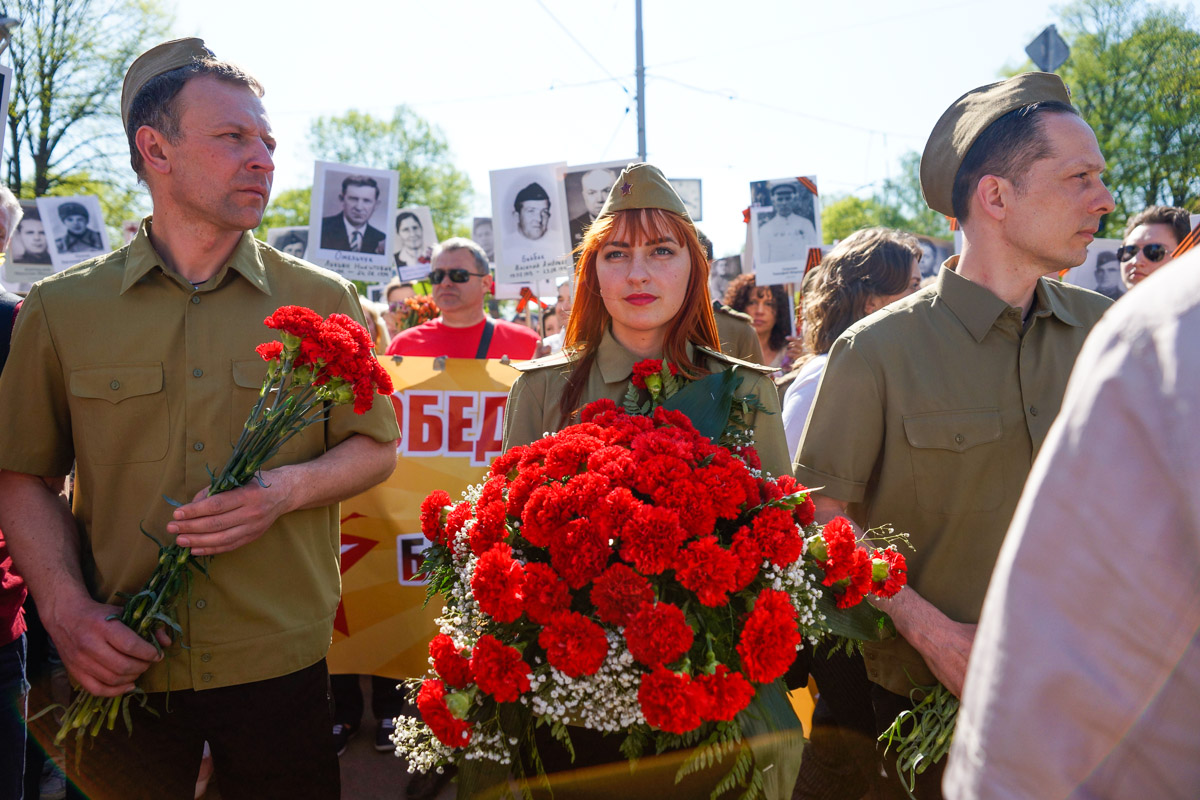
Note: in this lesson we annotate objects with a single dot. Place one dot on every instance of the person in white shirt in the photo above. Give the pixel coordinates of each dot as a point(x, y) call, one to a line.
point(1084, 678)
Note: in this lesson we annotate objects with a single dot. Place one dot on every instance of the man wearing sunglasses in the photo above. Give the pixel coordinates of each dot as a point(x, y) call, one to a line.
point(461, 281)
point(1151, 237)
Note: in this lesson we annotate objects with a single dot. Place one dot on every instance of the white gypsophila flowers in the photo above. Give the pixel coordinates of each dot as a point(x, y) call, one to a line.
point(415, 742)
point(488, 745)
point(606, 701)
point(803, 591)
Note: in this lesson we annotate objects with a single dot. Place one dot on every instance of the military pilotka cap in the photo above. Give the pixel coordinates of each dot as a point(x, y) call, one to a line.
point(643, 186)
point(967, 118)
point(156, 61)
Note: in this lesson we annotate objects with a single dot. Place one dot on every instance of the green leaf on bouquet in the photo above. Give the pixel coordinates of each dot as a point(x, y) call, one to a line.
point(706, 402)
point(862, 622)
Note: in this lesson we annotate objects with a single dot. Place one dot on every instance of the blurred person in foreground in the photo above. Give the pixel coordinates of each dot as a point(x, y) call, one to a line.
point(931, 410)
point(183, 305)
point(1085, 677)
point(1151, 237)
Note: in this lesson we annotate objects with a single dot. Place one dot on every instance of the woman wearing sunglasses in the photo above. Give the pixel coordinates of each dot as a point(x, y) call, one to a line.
point(1150, 241)
point(461, 281)
point(641, 293)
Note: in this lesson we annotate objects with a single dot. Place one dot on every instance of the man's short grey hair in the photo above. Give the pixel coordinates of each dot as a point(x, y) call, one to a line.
point(12, 214)
point(459, 243)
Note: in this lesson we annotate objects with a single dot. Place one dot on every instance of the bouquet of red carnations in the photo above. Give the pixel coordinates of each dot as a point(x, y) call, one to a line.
point(318, 362)
point(629, 576)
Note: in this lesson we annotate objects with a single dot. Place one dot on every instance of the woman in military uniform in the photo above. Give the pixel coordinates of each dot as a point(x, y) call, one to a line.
point(641, 292)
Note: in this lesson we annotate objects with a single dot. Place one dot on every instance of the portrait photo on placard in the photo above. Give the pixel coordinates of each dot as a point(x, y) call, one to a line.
point(75, 226)
point(1100, 271)
point(351, 221)
point(785, 221)
point(415, 240)
point(28, 258)
point(723, 271)
point(933, 253)
point(292, 240)
point(689, 192)
point(483, 235)
point(530, 213)
point(586, 187)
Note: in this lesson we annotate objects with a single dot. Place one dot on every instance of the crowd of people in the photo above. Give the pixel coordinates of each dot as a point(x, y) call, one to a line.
point(1066, 621)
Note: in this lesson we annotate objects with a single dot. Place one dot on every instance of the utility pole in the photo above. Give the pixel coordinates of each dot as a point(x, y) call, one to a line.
point(641, 86)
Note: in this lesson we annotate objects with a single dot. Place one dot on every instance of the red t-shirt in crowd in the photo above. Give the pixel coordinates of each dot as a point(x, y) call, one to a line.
point(435, 338)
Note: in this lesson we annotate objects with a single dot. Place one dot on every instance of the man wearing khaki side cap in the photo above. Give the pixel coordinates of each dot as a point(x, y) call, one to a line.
point(931, 410)
point(139, 368)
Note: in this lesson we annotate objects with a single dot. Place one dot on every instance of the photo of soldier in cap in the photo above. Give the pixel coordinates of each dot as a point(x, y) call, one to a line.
point(530, 211)
point(785, 224)
point(1101, 272)
point(77, 226)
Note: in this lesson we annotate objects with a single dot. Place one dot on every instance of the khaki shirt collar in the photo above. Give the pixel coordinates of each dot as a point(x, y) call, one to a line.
point(978, 309)
point(142, 258)
point(616, 363)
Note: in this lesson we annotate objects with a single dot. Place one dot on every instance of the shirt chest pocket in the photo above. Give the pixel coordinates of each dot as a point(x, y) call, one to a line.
point(248, 376)
point(955, 460)
point(123, 412)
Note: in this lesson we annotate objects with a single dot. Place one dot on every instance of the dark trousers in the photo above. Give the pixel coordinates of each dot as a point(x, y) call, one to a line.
point(12, 719)
point(841, 761)
point(269, 739)
point(387, 702)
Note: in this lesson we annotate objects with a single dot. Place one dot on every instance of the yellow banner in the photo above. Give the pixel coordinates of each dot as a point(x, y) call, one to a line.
point(451, 414)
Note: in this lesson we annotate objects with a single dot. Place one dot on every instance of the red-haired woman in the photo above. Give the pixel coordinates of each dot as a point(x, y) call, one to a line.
point(641, 292)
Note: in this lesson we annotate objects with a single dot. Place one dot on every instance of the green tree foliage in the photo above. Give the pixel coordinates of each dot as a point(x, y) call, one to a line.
point(288, 209)
point(406, 143)
point(69, 58)
point(1134, 73)
point(898, 204)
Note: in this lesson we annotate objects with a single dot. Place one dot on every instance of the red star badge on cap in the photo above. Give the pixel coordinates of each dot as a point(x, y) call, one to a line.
point(626, 188)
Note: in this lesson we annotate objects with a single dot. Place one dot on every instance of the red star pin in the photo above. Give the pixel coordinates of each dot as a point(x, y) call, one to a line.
point(626, 188)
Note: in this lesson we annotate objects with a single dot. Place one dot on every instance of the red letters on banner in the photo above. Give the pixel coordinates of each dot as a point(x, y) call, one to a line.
point(451, 423)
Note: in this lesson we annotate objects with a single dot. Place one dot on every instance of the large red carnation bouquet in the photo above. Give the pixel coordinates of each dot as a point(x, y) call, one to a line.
point(629, 576)
point(316, 363)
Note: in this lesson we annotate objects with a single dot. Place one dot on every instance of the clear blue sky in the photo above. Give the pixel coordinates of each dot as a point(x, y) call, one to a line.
point(735, 91)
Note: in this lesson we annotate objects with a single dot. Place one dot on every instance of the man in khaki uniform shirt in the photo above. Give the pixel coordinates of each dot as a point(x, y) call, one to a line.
point(931, 410)
point(139, 367)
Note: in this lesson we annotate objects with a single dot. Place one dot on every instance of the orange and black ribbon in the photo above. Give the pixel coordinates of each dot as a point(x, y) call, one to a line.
point(953, 223)
point(527, 296)
point(807, 184)
point(1188, 242)
point(814, 259)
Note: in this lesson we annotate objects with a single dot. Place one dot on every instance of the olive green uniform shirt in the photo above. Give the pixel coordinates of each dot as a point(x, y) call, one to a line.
point(122, 367)
point(533, 410)
point(928, 417)
point(737, 334)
